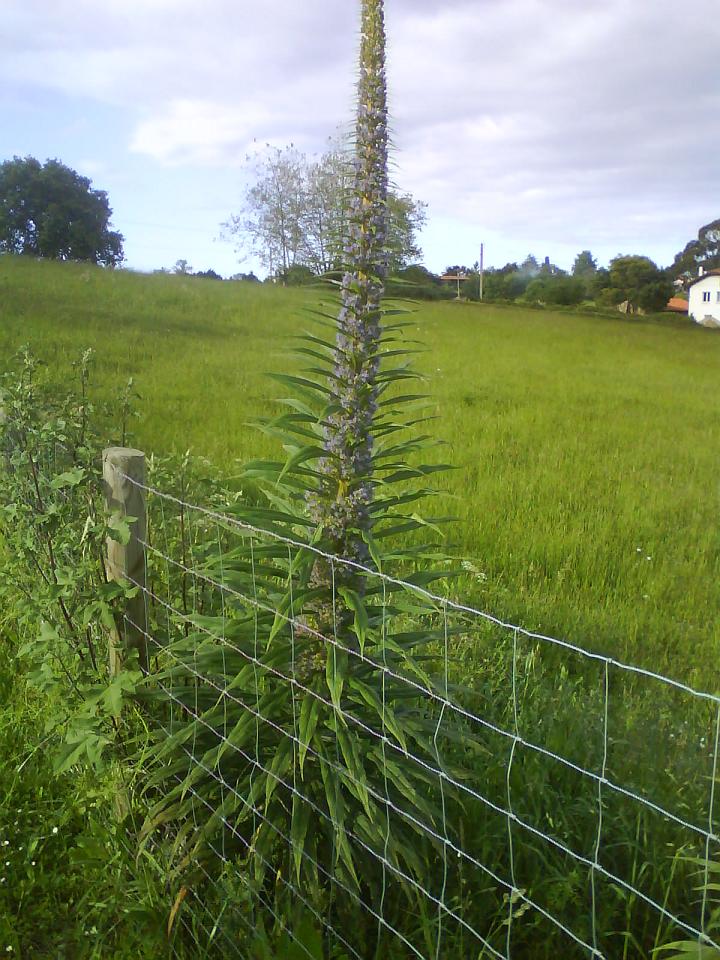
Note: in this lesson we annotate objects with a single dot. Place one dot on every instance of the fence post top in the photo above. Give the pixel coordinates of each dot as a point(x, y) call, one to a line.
point(122, 453)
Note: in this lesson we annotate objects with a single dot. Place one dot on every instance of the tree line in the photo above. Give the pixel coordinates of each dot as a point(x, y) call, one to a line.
point(293, 218)
point(634, 279)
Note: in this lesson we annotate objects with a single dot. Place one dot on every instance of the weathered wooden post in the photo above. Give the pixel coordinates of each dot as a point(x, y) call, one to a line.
point(124, 481)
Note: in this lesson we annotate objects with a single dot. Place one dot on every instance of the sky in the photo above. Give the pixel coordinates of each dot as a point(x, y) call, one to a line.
point(532, 126)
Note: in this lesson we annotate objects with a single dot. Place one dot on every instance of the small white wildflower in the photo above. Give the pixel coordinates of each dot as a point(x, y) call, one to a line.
point(54, 829)
point(638, 549)
point(7, 863)
point(32, 863)
point(648, 558)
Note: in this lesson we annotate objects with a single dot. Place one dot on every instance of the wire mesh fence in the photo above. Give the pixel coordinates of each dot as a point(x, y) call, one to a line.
point(498, 793)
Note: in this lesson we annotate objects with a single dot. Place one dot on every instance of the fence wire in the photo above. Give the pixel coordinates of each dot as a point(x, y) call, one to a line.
point(575, 794)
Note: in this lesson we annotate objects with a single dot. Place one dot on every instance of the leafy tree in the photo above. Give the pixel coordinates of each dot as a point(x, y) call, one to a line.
point(703, 252)
point(417, 282)
point(49, 210)
point(272, 214)
point(549, 269)
point(585, 269)
point(530, 265)
point(639, 280)
point(585, 265)
point(600, 282)
point(505, 283)
point(406, 217)
point(328, 182)
point(556, 289)
point(298, 275)
point(208, 275)
point(295, 213)
point(247, 277)
point(417, 273)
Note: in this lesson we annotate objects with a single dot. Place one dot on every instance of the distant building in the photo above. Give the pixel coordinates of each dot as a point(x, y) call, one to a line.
point(677, 305)
point(704, 294)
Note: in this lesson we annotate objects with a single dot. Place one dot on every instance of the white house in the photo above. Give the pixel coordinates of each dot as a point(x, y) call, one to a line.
point(704, 296)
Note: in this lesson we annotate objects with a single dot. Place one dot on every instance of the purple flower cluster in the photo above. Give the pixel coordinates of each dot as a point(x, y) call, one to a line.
point(342, 505)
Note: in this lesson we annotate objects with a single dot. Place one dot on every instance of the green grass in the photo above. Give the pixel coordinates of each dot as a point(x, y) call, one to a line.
point(583, 444)
point(68, 888)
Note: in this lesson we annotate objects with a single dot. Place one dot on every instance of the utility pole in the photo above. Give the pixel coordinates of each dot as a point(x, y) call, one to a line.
point(482, 267)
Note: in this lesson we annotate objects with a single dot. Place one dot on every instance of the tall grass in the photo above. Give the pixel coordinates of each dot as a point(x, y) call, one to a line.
point(584, 445)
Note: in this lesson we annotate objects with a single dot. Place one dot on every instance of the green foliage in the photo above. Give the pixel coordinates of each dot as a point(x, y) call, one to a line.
point(298, 275)
point(555, 522)
point(70, 885)
point(418, 283)
point(703, 252)
point(585, 265)
point(585, 269)
point(557, 290)
point(709, 873)
point(295, 213)
point(507, 509)
point(640, 281)
point(507, 283)
point(53, 529)
point(406, 218)
point(49, 210)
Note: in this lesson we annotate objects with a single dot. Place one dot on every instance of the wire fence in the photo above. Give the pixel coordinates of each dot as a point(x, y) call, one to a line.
point(558, 799)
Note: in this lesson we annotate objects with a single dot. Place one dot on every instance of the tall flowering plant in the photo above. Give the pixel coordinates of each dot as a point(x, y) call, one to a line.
point(306, 713)
point(341, 505)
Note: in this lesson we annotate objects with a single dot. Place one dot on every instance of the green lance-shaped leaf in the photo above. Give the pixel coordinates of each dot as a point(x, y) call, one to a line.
point(361, 624)
point(309, 717)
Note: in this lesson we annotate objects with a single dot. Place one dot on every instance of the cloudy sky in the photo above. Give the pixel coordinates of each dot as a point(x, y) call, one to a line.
point(543, 126)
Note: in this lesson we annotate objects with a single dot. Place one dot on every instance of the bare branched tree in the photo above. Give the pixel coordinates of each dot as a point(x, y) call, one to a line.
point(295, 213)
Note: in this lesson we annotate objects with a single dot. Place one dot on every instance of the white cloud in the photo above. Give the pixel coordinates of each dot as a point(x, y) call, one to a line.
point(198, 132)
point(549, 118)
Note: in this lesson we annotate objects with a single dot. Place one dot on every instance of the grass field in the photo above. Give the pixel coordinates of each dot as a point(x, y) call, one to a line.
point(585, 446)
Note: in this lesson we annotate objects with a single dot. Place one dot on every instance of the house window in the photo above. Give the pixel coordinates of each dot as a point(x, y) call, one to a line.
point(718, 296)
point(706, 296)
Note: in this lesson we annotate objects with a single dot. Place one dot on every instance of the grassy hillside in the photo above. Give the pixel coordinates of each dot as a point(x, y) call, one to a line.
point(586, 448)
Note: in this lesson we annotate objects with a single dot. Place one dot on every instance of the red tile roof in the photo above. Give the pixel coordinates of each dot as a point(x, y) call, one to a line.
point(677, 304)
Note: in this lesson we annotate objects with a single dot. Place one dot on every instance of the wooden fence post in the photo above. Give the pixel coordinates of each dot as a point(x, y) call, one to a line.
point(127, 561)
